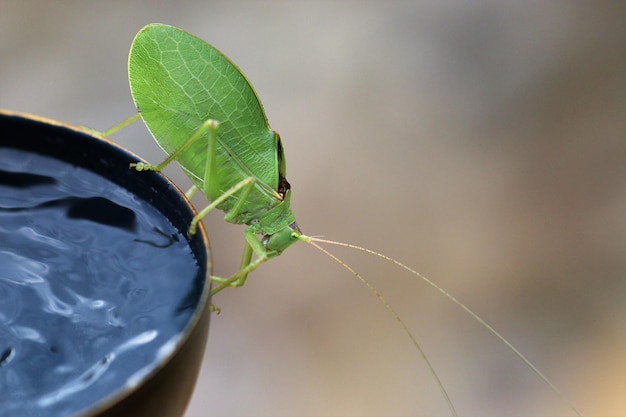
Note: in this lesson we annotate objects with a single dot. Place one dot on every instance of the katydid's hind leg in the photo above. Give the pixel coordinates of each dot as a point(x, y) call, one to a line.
point(191, 192)
point(209, 126)
point(212, 184)
point(132, 119)
point(253, 245)
point(106, 133)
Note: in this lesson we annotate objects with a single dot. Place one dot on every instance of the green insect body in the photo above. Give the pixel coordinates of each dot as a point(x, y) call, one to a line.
point(204, 113)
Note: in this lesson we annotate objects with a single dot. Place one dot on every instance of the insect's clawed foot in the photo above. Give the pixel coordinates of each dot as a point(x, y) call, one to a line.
point(215, 309)
point(193, 228)
point(140, 166)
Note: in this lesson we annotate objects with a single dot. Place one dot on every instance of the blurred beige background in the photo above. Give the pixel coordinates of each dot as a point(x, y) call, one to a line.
point(483, 143)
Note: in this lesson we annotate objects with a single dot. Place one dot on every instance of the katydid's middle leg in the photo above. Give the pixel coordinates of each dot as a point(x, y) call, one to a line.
point(244, 184)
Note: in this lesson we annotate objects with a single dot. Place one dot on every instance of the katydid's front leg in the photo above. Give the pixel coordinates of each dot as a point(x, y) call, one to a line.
point(253, 245)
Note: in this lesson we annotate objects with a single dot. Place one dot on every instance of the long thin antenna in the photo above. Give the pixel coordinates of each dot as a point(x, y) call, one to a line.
point(395, 314)
point(464, 307)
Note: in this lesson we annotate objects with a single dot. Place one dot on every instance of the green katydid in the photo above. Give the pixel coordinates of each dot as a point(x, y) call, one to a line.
point(206, 116)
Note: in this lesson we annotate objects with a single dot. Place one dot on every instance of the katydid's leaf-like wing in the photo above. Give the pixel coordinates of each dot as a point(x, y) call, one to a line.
point(178, 81)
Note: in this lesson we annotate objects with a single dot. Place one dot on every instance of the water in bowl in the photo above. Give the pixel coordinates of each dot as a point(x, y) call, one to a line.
point(95, 286)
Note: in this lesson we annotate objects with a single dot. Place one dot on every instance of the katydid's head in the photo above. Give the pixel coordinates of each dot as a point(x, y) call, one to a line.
point(284, 238)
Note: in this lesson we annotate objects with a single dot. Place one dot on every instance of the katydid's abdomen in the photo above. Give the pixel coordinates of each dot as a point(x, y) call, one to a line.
point(206, 116)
